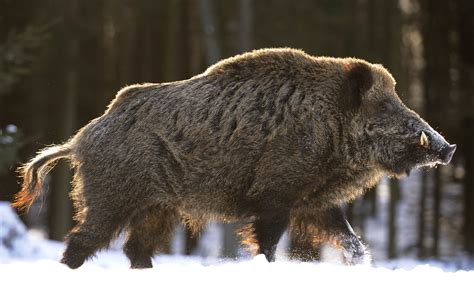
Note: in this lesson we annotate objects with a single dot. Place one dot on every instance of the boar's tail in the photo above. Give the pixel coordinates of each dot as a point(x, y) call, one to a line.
point(34, 172)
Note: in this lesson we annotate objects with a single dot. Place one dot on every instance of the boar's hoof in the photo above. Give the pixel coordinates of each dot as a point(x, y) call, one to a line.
point(354, 251)
point(73, 262)
point(76, 253)
point(144, 264)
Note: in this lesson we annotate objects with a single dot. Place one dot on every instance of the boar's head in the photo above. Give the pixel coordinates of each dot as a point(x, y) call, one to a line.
point(397, 138)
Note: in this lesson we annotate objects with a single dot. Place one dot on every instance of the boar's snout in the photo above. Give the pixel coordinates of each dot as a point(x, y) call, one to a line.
point(437, 146)
point(447, 153)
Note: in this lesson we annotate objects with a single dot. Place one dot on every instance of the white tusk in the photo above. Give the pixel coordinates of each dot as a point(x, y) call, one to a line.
point(424, 140)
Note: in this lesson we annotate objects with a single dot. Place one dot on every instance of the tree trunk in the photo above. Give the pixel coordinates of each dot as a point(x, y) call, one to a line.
point(60, 209)
point(437, 195)
point(245, 23)
point(468, 224)
point(392, 218)
point(465, 30)
point(371, 197)
point(421, 216)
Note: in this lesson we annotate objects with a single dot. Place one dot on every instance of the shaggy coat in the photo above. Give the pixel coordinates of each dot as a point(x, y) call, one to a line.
point(276, 138)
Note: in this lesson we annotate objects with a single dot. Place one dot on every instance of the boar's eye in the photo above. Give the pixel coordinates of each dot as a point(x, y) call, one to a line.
point(385, 107)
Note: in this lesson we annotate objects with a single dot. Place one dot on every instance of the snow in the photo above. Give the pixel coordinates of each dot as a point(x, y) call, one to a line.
point(111, 269)
point(18, 243)
point(28, 260)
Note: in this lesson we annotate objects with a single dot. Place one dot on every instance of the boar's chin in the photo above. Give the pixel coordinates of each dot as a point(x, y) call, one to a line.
point(404, 169)
point(398, 173)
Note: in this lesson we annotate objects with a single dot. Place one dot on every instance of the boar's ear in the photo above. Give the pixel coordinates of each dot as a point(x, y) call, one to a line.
point(358, 80)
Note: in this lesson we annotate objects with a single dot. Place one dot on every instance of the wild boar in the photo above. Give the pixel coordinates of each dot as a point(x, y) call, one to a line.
point(272, 137)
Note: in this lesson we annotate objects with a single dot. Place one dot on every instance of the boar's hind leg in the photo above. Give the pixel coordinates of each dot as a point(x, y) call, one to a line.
point(149, 231)
point(267, 231)
point(93, 233)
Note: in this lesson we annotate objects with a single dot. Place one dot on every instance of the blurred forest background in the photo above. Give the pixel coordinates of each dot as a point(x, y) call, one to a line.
point(62, 61)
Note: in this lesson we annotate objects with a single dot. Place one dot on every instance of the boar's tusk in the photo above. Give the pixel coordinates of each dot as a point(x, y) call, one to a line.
point(423, 140)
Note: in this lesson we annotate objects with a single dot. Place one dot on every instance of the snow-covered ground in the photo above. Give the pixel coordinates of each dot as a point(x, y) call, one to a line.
point(28, 260)
point(112, 271)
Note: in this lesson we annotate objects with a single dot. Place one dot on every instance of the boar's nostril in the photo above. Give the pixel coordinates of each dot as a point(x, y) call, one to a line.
point(424, 140)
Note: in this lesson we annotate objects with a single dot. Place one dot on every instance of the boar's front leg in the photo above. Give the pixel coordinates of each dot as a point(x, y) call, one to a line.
point(353, 249)
point(268, 231)
point(329, 226)
point(265, 231)
point(304, 249)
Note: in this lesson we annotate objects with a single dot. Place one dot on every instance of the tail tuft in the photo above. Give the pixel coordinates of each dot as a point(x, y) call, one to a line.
point(34, 172)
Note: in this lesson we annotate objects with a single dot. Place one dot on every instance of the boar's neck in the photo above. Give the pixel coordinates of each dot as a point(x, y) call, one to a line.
point(349, 172)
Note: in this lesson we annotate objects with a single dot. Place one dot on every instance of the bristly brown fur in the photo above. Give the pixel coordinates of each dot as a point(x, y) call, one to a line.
point(275, 137)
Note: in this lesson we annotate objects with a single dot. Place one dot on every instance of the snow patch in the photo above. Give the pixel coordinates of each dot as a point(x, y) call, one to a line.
point(17, 243)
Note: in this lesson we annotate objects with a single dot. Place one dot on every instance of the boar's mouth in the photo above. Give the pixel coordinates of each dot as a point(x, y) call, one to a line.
point(430, 150)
